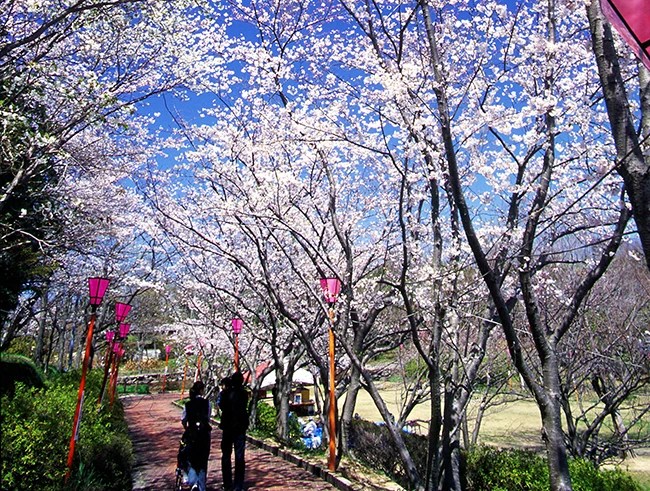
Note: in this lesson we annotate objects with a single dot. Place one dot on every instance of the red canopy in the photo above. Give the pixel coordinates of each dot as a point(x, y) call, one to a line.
point(631, 18)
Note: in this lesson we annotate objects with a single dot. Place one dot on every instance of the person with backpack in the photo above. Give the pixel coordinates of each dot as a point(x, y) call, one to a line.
point(196, 421)
point(233, 403)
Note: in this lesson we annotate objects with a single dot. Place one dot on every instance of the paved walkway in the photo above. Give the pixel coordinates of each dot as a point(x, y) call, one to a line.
point(155, 430)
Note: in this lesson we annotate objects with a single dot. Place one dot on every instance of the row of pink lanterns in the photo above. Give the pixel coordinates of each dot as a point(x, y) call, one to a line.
point(330, 287)
point(115, 350)
point(97, 289)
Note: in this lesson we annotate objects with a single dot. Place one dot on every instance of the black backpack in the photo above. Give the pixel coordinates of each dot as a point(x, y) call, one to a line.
point(195, 443)
point(234, 410)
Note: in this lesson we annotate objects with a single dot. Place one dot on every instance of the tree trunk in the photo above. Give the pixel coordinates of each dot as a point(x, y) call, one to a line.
point(632, 165)
point(604, 395)
point(347, 413)
point(451, 439)
point(433, 451)
point(558, 464)
point(407, 462)
point(281, 396)
point(50, 346)
point(255, 386)
point(61, 347)
point(40, 338)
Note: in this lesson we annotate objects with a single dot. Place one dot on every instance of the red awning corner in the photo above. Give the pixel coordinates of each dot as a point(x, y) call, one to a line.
point(631, 18)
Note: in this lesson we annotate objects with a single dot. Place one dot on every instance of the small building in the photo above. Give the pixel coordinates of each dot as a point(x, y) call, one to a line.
point(301, 401)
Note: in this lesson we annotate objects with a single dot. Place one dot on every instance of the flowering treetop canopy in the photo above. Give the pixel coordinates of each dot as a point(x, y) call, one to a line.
point(631, 18)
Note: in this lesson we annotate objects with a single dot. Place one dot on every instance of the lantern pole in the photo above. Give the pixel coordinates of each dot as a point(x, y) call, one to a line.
point(187, 361)
point(116, 367)
point(117, 347)
point(167, 350)
point(199, 360)
point(124, 331)
point(97, 287)
point(236, 329)
point(110, 336)
point(121, 311)
point(331, 288)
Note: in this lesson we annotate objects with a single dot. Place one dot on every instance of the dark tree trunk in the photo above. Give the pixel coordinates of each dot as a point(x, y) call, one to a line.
point(558, 463)
point(281, 397)
point(347, 414)
point(42, 322)
point(433, 450)
point(632, 166)
point(451, 439)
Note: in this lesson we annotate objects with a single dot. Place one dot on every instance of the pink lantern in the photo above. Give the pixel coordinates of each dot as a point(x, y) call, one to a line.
point(121, 311)
point(97, 287)
point(110, 335)
point(237, 325)
point(122, 351)
point(124, 330)
point(168, 349)
point(331, 288)
point(116, 348)
point(631, 18)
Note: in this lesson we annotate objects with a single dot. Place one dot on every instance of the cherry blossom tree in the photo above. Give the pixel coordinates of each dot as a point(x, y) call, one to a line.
point(71, 77)
point(546, 154)
point(450, 163)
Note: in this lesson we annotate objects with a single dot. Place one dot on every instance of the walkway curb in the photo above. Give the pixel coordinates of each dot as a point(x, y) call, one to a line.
point(339, 482)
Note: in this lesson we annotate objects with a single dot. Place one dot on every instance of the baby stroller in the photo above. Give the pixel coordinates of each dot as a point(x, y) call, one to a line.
point(182, 464)
point(194, 447)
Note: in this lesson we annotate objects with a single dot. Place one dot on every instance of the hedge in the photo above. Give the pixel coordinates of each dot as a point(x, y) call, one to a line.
point(36, 428)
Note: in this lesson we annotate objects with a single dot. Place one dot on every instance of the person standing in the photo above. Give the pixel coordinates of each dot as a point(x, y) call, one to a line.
point(233, 404)
point(225, 383)
point(196, 421)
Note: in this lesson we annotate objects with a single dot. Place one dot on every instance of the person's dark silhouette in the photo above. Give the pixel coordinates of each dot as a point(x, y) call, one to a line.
point(234, 422)
point(196, 421)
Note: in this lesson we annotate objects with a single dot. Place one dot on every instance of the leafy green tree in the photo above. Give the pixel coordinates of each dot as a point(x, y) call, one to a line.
point(26, 205)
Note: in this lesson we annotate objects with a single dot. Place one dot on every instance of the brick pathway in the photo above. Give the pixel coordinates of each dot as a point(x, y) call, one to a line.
point(155, 430)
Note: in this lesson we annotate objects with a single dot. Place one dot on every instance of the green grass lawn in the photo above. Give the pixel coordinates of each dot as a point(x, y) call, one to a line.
point(513, 424)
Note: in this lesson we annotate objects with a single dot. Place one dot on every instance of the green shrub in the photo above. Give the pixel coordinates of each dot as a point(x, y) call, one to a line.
point(133, 389)
point(265, 419)
point(585, 476)
point(36, 428)
point(16, 368)
point(295, 429)
point(504, 470)
point(22, 345)
point(372, 445)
